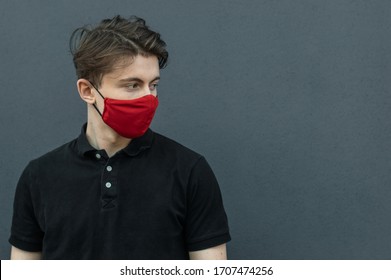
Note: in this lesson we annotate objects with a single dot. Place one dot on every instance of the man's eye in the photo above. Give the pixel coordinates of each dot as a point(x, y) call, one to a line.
point(132, 86)
point(153, 86)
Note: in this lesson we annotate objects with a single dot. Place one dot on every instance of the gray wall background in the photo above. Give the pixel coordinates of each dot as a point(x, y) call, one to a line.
point(288, 100)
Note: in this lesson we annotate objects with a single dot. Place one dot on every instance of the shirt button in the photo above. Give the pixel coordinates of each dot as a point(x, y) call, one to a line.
point(108, 185)
point(109, 168)
point(98, 156)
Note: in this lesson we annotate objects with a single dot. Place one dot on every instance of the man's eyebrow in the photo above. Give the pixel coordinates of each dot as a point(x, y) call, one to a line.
point(135, 79)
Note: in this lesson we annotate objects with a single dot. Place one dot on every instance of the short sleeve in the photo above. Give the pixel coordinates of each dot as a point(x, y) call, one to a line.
point(206, 223)
point(26, 233)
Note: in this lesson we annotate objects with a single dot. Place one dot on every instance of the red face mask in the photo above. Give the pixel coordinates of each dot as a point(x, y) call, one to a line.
point(129, 118)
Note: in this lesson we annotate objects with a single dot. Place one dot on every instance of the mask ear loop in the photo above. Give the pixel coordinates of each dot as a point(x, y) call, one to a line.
point(96, 108)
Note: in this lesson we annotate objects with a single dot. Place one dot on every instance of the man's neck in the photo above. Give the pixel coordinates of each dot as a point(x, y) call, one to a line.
point(102, 137)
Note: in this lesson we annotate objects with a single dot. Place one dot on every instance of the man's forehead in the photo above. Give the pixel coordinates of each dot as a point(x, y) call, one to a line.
point(140, 67)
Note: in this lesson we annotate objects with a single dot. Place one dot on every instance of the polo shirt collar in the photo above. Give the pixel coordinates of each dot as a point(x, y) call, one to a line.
point(83, 146)
point(139, 144)
point(135, 146)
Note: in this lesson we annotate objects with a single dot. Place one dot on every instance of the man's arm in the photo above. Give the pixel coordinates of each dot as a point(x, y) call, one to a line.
point(214, 253)
point(18, 254)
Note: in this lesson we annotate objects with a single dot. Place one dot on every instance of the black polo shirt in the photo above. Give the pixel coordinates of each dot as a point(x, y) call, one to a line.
point(155, 199)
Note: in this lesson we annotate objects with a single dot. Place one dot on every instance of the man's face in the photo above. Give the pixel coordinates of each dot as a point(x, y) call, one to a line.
point(132, 78)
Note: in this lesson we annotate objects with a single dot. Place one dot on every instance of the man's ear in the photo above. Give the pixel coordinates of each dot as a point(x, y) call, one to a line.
point(85, 91)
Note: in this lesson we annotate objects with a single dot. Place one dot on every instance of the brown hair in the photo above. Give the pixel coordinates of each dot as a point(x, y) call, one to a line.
point(97, 50)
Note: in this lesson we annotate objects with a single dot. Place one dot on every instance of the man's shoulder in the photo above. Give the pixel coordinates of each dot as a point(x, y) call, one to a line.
point(171, 147)
point(57, 154)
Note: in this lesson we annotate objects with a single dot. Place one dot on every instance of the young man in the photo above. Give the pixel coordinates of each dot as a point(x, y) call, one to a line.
point(120, 190)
